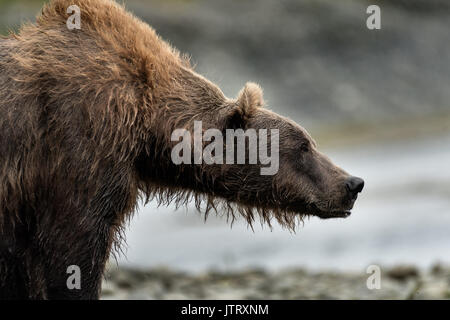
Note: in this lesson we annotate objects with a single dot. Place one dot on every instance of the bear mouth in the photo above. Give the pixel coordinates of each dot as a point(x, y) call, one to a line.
point(333, 214)
point(322, 214)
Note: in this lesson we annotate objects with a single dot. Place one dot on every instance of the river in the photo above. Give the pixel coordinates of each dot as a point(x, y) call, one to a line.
point(402, 217)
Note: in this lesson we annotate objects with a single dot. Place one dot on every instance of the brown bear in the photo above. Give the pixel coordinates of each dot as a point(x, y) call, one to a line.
point(86, 119)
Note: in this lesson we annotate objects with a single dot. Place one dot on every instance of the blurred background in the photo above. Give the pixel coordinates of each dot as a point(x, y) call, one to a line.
point(376, 101)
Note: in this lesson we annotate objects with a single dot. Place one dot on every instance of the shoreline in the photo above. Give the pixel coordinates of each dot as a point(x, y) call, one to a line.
point(399, 282)
point(372, 133)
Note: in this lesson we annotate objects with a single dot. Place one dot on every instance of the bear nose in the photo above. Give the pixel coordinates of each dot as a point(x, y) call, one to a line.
point(354, 185)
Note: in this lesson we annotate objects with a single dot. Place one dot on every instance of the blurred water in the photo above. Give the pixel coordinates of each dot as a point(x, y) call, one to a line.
point(403, 216)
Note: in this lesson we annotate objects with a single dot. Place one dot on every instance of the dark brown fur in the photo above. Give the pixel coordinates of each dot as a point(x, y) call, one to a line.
point(85, 123)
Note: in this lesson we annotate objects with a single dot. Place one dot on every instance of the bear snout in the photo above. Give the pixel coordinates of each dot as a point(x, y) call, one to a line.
point(354, 185)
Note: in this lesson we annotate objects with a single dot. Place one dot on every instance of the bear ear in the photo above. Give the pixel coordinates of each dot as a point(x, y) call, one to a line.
point(249, 99)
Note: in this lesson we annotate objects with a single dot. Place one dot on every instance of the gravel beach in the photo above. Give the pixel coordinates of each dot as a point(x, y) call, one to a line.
point(400, 282)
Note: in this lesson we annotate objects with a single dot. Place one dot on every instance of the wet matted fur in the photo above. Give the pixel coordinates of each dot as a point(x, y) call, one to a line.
point(86, 118)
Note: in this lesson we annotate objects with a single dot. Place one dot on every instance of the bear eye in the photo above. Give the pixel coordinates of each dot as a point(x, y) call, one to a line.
point(304, 147)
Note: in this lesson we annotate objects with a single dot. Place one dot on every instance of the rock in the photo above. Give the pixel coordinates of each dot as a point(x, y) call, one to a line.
point(438, 269)
point(402, 273)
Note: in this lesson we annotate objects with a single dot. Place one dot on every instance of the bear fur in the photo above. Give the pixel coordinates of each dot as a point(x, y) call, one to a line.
point(85, 123)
